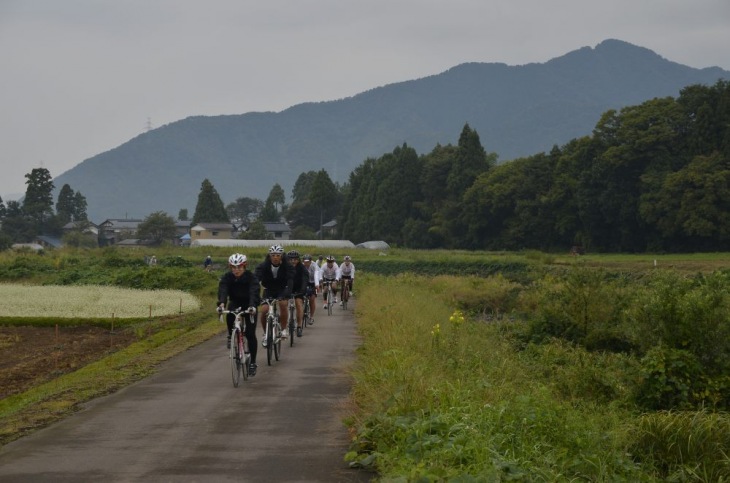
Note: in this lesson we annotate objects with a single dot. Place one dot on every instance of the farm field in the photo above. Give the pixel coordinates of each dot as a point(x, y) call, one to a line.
point(30, 356)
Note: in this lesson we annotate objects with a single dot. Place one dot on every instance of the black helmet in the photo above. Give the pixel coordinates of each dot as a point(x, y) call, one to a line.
point(292, 254)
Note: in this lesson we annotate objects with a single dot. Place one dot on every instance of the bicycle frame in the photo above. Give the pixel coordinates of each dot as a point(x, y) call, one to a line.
point(240, 356)
point(272, 336)
point(327, 285)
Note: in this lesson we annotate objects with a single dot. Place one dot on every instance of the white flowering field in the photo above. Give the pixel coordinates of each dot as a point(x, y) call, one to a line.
point(92, 301)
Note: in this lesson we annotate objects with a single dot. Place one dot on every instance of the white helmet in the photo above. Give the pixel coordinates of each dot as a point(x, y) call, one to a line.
point(237, 259)
point(276, 249)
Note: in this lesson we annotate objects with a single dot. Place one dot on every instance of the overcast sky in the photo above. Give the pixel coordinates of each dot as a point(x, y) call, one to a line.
point(80, 77)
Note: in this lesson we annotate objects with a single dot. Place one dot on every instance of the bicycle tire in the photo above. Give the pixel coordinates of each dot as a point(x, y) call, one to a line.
point(235, 357)
point(345, 295)
point(245, 356)
point(330, 296)
point(277, 341)
point(292, 324)
point(269, 339)
point(305, 318)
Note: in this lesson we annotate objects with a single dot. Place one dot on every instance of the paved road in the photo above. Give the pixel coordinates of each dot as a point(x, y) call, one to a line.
point(188, 423)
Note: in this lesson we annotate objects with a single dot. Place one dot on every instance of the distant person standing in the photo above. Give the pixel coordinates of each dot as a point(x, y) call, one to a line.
point(208, 263)
point(153, 261)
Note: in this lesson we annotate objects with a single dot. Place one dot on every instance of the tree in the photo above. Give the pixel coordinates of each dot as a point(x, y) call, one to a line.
point(182, 215)
point(16, 225)
point(322, 195)
point(79, 207)
point(3, 210)
point(274, 206)
point(244, 208)
point(210, 207)
point(277, 197)
point(302, 186)
point(256, 231)
point(65, 205)
point(79, 239)
point(157, 227)
point(38, 201)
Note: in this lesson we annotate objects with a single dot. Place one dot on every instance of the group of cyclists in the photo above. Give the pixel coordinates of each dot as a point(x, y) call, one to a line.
point(282, 276)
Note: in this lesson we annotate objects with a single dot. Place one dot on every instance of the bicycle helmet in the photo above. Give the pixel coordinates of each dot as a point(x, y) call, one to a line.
point(237, 259)
point(330, 258)
point(293, 254)
point(348, 258)
point(307, 257)
point(276, 249)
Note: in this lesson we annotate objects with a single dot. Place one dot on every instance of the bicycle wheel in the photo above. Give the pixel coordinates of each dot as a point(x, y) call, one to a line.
point(269, 338)
point(235, 358)
point(305, 318)
point(245, 356)
point(292, 325)
point(329, 300)
point(277, 341)
point(345, 295)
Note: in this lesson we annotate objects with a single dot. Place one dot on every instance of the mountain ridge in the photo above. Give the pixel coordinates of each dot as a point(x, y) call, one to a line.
point(517, 111)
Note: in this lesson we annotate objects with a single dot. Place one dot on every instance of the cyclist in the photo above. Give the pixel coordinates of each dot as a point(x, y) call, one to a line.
point(330, 273)
point(208, 263)
point(276, 276)
point(312, 284)
point(347, 273)
point(240, 288)
point(301, 278)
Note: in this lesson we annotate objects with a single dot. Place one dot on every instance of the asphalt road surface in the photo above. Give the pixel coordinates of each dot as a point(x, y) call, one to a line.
point(188, 423)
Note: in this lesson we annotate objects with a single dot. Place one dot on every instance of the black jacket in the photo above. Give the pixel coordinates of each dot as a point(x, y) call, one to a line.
point(301, 278)
point(238, 292)
point(281, 285)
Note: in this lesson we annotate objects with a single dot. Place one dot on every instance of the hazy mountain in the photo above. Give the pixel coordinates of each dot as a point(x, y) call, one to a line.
point(517, 111)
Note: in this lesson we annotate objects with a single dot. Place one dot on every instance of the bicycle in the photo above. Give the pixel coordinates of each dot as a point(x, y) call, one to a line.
point(330, 295)
point(272, 336)
point(239, 354)
point(345, 292)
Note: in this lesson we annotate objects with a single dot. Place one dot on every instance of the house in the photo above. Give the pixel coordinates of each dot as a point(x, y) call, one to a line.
point(48, 241)
point(213, 231)
point(329, 228)
point(114, 230)
point(182, 228)
point(84, 226)
point(279, 230)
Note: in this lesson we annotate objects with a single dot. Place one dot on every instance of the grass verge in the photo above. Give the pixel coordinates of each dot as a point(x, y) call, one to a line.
point(441, 396)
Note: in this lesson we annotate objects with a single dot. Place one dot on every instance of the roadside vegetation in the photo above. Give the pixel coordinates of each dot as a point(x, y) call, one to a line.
point(474, 365)
point(582, 374)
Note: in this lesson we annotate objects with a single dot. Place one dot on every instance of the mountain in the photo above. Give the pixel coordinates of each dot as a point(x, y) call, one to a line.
point(517, 111)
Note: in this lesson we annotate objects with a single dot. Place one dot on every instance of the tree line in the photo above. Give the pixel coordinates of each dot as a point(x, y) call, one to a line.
point(35, 215)
point(651, 177)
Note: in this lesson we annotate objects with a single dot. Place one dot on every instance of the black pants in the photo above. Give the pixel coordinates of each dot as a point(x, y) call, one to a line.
point(249, 332)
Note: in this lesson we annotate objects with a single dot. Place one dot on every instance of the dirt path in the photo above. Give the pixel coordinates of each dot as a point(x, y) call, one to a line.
point(188, 423)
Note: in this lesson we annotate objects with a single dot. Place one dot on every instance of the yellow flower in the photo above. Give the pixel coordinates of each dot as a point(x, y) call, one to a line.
point(457, 318)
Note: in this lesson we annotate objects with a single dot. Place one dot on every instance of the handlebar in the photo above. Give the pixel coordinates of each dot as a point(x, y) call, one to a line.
point(239, 310)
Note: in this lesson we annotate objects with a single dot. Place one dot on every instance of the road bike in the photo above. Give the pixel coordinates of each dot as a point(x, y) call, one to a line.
point(240, 356)
point(345, 292)
point(272, 336)
point(330, 295)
